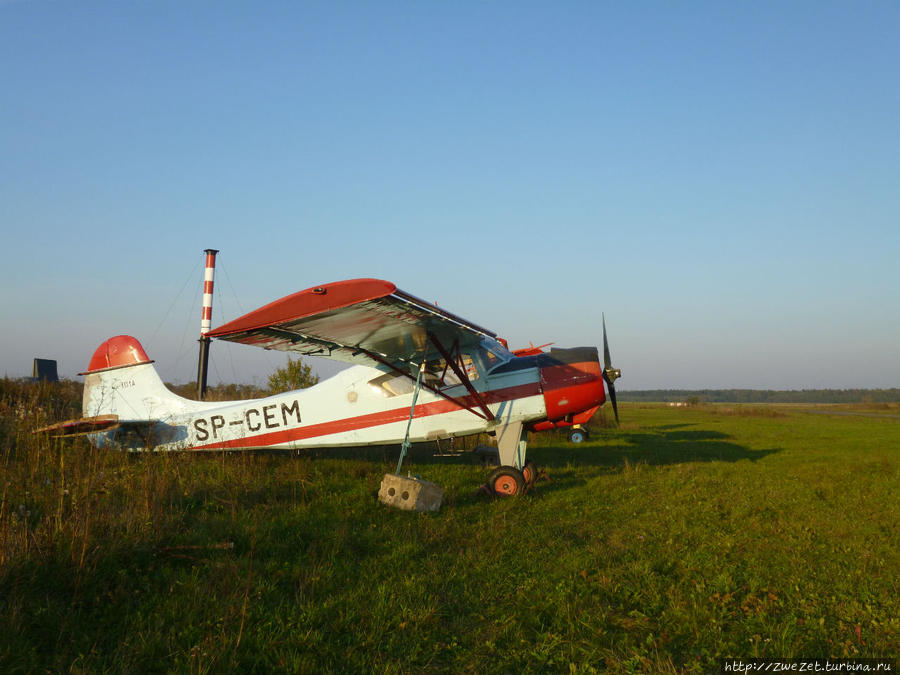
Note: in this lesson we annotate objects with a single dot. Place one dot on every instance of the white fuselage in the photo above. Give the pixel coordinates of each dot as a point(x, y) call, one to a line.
point(347, 409)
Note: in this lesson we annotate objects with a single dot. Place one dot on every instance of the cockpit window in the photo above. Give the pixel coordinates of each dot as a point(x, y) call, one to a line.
point(483, 358)
point(392, 384)
point(437, 374)
point(495, 354)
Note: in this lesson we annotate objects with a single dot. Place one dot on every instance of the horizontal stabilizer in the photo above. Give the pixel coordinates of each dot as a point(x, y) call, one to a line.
point(79, 427)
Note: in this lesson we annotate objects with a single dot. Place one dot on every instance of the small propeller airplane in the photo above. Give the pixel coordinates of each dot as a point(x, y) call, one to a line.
point(419, 373)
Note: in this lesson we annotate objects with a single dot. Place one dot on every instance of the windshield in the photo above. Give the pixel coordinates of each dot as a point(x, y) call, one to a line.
point(439, 375)
point(494, 354)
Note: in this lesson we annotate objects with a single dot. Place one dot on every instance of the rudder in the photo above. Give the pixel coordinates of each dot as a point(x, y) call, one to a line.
point(121, 380)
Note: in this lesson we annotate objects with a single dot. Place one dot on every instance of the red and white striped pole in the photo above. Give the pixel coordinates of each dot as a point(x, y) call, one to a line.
point(206, 321)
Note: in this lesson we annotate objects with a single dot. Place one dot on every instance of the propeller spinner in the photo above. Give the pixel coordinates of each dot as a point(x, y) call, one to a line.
point(610, 374)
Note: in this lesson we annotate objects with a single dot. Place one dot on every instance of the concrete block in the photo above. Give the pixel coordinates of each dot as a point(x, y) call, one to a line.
point(410, 494)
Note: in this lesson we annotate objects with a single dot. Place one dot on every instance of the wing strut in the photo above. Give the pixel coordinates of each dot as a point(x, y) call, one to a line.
point(330, 346)
point(412, 410)
point(451, 358)
point(433, 389)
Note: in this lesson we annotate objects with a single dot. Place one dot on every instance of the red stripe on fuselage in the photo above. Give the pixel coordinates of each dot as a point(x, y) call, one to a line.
point(371, 420)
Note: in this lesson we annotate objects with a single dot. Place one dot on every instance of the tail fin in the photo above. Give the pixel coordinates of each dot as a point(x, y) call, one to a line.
point(121, 380)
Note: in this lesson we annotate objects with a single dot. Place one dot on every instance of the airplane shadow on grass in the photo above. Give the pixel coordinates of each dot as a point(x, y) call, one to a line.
point(658, 447)
point(667, 444)
point(609, 451)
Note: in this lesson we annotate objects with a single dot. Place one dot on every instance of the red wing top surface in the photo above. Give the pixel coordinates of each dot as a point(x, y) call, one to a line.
point(366, 321)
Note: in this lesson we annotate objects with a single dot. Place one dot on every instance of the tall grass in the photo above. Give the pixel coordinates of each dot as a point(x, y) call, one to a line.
point(680, 538)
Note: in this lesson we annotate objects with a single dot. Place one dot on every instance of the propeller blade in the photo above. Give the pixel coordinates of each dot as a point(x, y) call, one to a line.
point(610, 374)
point(612, 396)
point(607, 362)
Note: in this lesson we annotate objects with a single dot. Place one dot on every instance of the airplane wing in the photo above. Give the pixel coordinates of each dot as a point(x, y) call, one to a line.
point(363, 321)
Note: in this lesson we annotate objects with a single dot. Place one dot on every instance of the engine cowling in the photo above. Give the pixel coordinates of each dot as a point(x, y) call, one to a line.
point(571, 380)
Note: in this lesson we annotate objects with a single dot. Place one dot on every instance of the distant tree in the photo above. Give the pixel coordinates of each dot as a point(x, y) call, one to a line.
point(219, 392)
point(294, 375)
point(234, 392)
point(871, 396)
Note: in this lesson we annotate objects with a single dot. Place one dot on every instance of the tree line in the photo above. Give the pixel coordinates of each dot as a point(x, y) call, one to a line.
point(762, 395)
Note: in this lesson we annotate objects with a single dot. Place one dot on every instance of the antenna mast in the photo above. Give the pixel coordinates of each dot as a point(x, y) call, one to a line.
point(206, 321)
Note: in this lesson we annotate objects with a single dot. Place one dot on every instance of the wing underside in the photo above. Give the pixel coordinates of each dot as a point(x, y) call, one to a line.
point(363, 321)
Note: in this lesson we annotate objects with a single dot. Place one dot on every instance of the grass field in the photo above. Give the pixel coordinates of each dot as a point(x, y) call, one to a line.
point(683, 537)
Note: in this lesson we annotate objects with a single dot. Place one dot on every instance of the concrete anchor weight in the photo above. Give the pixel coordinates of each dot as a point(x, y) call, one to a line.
point(410, 494)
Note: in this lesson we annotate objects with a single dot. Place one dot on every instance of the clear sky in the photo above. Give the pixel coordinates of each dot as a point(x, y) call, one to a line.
point(722, 179)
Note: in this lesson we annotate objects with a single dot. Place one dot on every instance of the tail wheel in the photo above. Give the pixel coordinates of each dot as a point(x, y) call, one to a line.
point(507, 481)
point(529, 473)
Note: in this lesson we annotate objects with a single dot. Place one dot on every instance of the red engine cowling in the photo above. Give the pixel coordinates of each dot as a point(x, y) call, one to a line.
point(572, 382)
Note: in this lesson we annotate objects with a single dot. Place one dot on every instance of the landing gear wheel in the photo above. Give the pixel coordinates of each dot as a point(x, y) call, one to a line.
point(507, 481)
point(578, 435)
point(529, 473)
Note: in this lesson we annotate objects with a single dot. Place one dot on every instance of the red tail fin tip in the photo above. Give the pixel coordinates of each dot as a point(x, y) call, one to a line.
point(117, 352)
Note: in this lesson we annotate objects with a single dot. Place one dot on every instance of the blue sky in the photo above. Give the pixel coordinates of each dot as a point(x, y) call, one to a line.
point(721, 179)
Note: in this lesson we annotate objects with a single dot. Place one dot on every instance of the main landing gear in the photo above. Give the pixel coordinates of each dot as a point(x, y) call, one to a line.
point(508, 481)
point(515, 476)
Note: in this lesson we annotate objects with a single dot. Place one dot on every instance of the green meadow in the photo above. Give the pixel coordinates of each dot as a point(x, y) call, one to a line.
point(682, 537)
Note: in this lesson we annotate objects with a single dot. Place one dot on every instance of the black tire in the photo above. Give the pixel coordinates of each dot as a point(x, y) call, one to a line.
point(507, 481)
point(529, 473)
